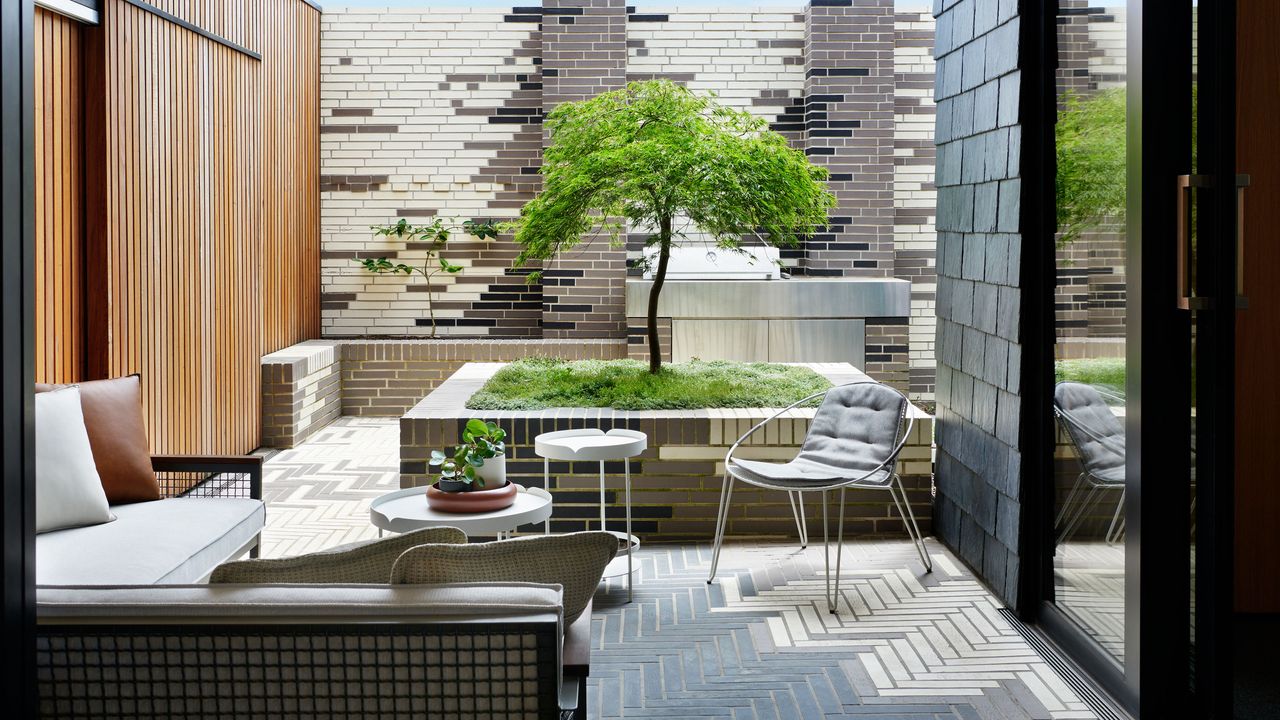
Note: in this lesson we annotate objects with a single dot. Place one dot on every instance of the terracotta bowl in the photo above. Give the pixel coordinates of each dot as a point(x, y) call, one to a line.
point(472, 501)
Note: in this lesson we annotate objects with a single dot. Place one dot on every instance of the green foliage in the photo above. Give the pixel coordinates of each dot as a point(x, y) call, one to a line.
point(480, 441)
point(655, 151)
point(540, 383)
point(436, 234)
point(1092, 165)
point(1105, 373)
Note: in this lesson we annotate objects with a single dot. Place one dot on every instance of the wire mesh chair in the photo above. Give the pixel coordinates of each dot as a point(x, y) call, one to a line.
point(853, 442)
point(1098, 437)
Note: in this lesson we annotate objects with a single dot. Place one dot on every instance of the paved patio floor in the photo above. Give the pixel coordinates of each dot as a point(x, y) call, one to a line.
point(758, 644)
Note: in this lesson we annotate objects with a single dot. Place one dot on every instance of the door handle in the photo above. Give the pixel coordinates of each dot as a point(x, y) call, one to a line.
point(1242, 182)
point(1184, 247)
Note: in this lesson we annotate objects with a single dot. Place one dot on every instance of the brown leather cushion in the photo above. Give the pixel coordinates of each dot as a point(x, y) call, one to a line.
point(118, 437)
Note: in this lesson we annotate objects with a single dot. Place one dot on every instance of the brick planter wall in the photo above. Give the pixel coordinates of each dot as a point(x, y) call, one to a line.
point(308, 385)
point(385, 378)
point(676, 483)
point(300, 392)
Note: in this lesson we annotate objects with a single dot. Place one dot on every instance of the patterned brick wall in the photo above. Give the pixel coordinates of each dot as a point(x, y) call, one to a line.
point(427, 115)
point(849, 79)
point(914, 195)
point(584, 53)
point(439, 114)
point(676, 482)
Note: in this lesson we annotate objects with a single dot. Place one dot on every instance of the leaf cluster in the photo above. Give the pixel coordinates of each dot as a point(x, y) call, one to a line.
point(653, 151)
point(1091, 154)
point(436, 234)
point(480, 441)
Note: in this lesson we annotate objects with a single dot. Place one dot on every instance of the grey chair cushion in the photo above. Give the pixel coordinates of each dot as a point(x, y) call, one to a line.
point(173, 541)
point(801, 473)
point(364, 562)
point(855, 430)
point(576, 561)
point(1096, 432)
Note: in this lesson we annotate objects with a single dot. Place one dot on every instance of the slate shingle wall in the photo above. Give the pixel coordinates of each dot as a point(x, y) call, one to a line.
point(979, 340)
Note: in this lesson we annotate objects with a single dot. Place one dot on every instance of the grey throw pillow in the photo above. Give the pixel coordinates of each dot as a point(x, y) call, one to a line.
point(365, 562)
point(576, 561)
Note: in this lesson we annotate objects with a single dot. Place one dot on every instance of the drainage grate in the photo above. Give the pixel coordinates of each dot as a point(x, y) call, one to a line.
point(1100, 706)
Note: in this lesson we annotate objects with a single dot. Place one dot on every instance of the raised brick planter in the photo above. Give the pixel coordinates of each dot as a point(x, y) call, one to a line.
point(385, 378)
point(300, 392)
point(676, 483)
point(306, 386)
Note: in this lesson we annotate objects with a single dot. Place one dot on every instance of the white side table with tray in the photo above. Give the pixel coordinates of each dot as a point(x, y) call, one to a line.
point(593, 444)
point(405, 510)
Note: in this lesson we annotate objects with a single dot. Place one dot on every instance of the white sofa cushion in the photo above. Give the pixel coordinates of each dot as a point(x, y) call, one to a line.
point(173, 541)
point(68, 491)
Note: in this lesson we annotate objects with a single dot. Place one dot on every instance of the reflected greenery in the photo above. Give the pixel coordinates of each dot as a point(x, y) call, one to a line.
point(1091, 162)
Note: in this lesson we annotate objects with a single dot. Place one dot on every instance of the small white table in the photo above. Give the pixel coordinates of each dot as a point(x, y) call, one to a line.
point(595, 444)
point(405, 510)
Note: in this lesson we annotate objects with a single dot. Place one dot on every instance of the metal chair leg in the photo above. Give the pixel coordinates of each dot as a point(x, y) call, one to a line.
point(826, 552)
point(726, 495)
point(791, 495)
point(1066, 503)
point(833, 602)
point(1078, 515)
point(909, 521)
point(626, 464)
point(1117, 522)
point(804, 520)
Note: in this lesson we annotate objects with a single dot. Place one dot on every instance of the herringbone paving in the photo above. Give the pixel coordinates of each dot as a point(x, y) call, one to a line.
point(758, 644)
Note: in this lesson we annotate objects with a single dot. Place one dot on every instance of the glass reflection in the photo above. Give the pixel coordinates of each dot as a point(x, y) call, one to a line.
point(1090, 305)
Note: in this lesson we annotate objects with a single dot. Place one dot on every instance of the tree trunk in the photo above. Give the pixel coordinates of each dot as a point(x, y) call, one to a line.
point(659, 277)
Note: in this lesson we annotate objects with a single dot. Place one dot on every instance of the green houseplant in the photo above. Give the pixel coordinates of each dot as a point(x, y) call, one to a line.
point(433, 236)
point(478, 462)
point(653, 152)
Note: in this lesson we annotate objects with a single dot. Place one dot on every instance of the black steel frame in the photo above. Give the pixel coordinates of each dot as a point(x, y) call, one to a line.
point(1158, 583)
point(146, 671)
point(1214, 368)
point(17, 207)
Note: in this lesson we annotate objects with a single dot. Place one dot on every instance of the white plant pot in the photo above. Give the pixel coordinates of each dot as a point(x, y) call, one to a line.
point(493, 472)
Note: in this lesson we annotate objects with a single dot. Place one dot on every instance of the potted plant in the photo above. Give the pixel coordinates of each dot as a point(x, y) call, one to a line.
point(479, 462)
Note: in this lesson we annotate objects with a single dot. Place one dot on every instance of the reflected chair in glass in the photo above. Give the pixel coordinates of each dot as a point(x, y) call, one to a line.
point(1099, 441)
point(853, 442)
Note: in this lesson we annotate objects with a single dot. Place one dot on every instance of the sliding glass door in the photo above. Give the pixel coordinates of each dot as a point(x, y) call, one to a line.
point(1136, 469)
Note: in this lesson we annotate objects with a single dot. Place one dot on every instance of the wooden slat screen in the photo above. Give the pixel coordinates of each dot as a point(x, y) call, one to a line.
point(59, 223)
point(291, 97)
point(200, 209)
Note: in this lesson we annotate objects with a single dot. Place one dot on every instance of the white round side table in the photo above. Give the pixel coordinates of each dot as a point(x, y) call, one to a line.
point(595, 444)
point(406, 510)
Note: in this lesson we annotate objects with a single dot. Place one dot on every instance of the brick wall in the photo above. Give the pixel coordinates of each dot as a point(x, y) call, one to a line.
point(979, 342)
point(438, 113)
point(301, 392)
point(914, 195)
point(584, 53)
point(1090, 295)
point(386, 378)
point(676, 482)
point(848, 56)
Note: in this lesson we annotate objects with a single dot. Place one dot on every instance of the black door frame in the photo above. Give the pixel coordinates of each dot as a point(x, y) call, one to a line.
point(17, 358)
point(1158, 587)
